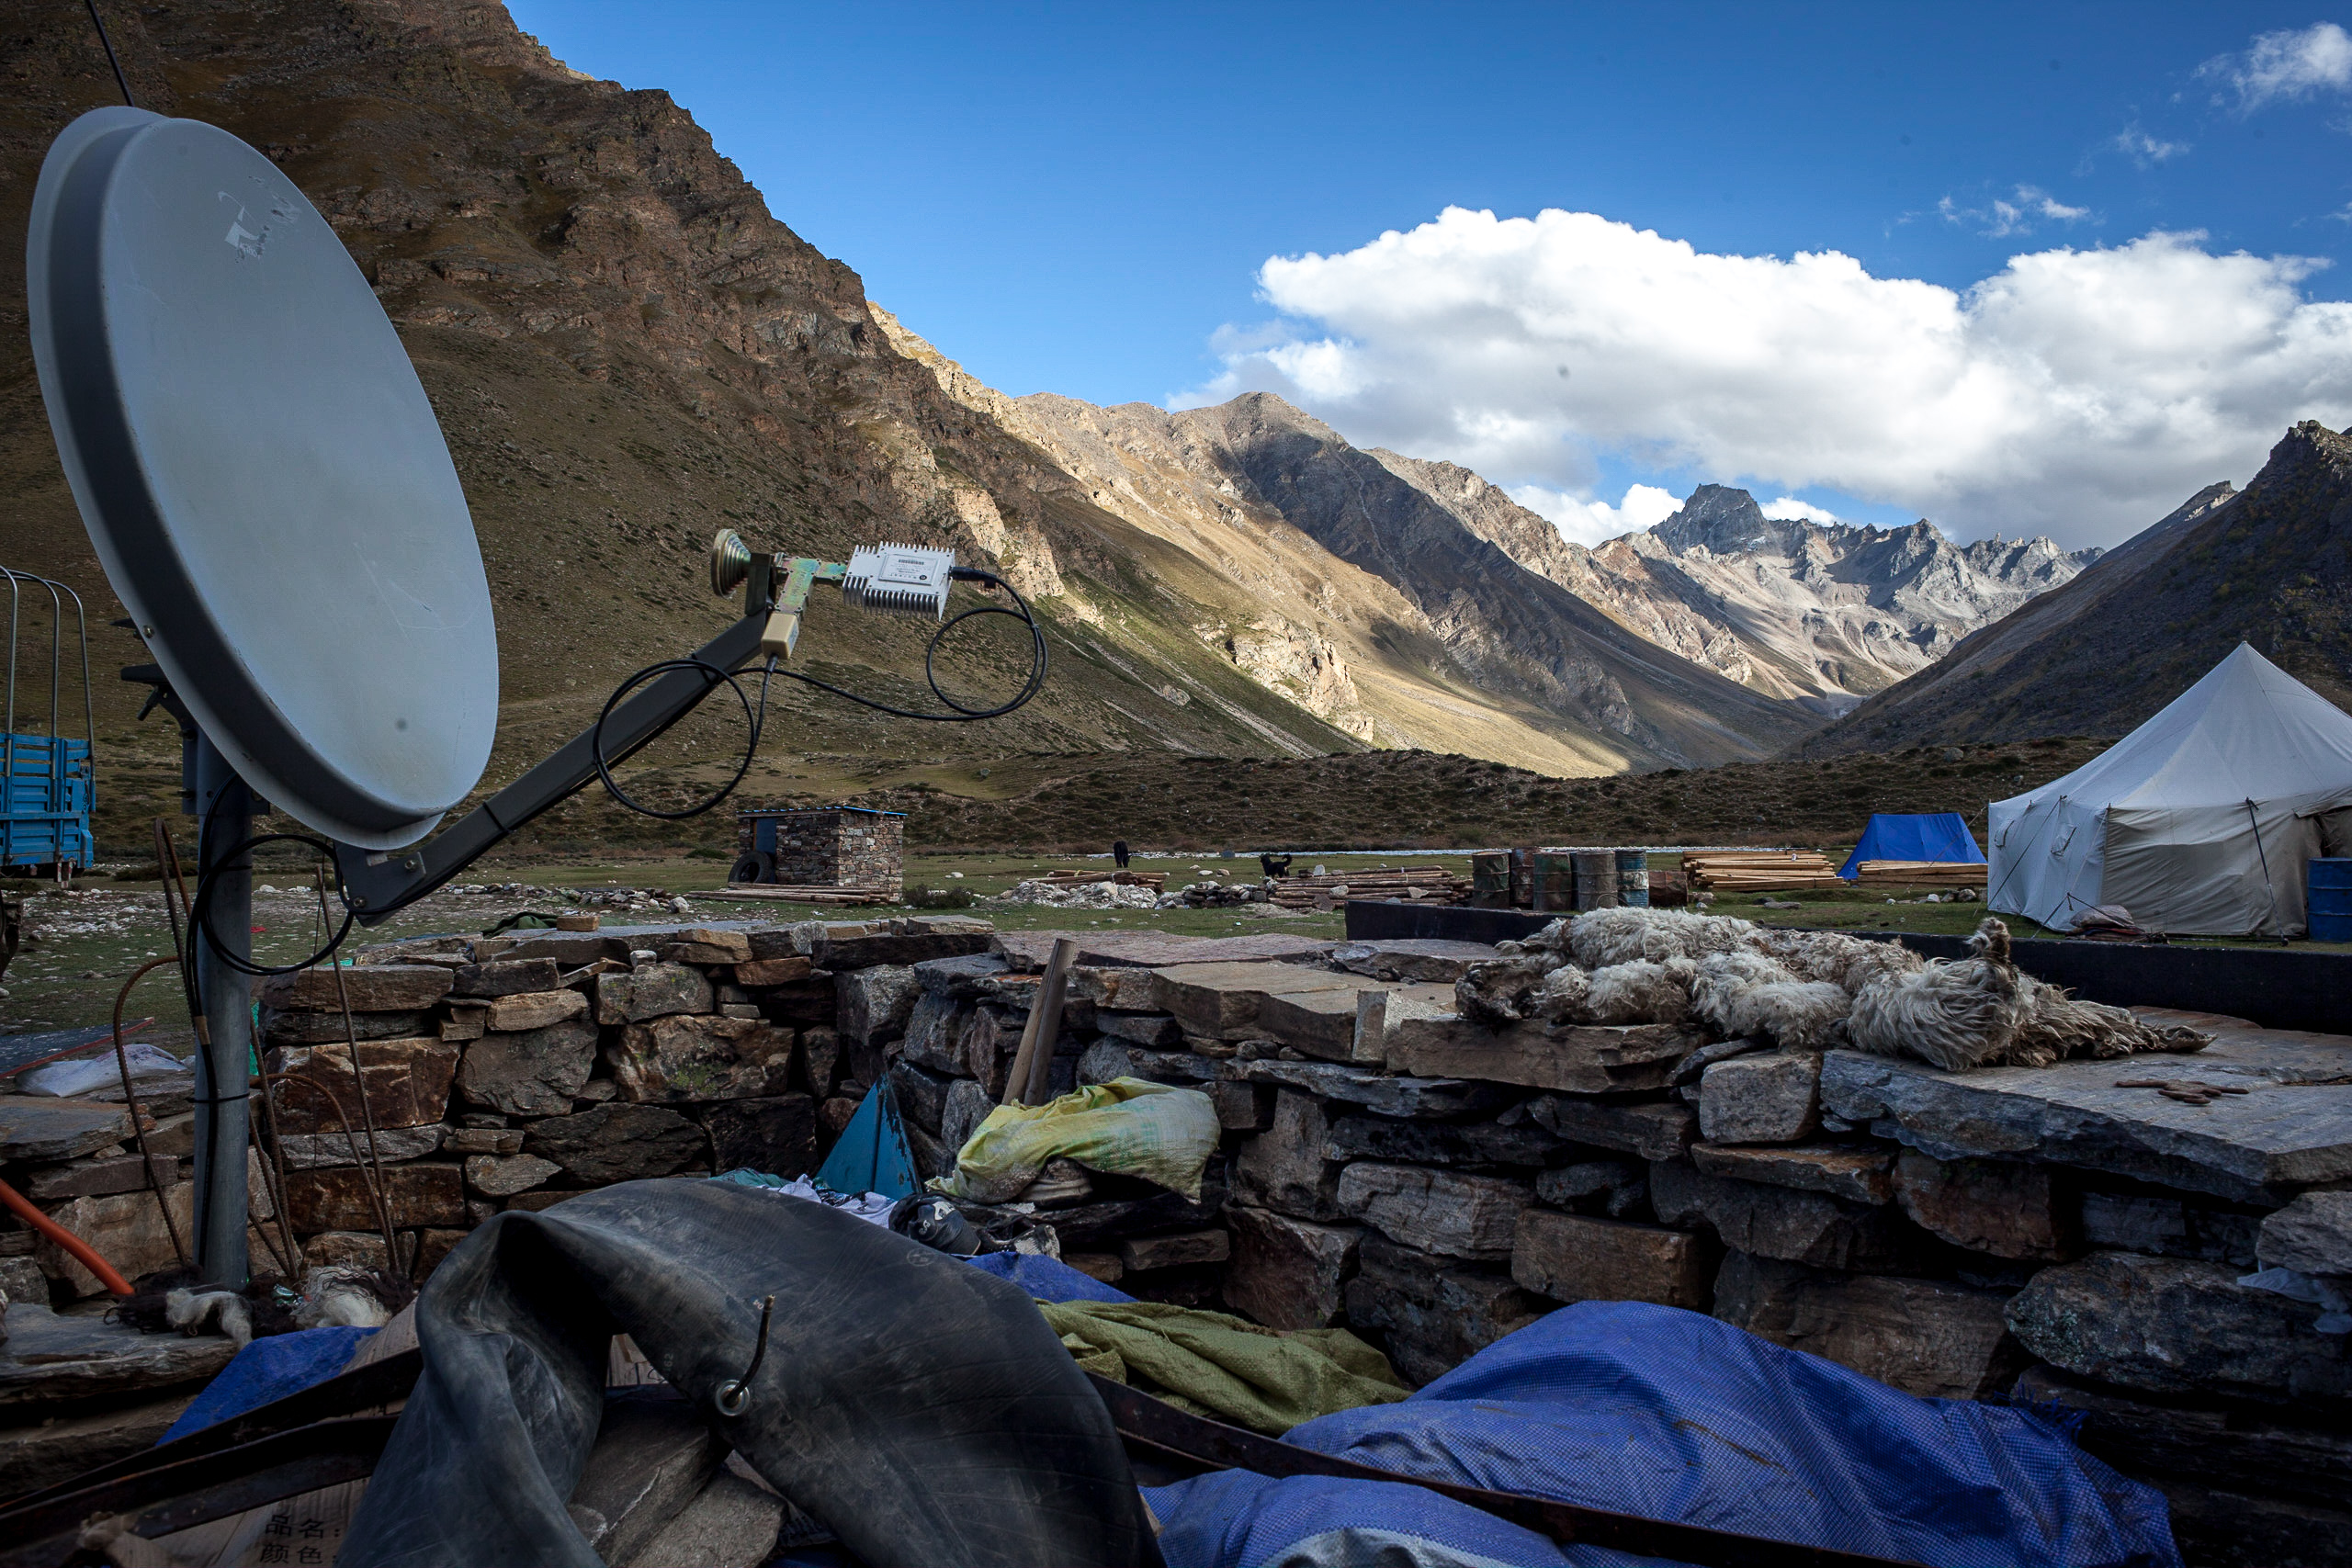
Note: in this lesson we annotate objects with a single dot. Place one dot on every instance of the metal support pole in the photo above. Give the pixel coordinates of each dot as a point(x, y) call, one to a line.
point(224, 807)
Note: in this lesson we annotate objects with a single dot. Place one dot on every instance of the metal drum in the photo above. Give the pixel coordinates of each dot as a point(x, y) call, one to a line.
point(1553, 881)
point(1491, 880)
point(1634, 878)
point(1596, 879)
point(1522, 879)
point(2328, 885)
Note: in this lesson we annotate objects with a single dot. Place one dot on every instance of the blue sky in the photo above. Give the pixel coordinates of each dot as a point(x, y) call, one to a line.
point(1082, 199)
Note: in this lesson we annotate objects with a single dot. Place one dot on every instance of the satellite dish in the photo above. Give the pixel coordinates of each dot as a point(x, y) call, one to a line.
point(261, 474)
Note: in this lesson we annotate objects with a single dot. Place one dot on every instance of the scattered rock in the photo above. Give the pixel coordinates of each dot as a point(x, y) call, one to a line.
point(934, 1033)
point(2168, 1227)
point(483, 1141)
point(773, 972)
point(1412, 958)
point(1385, 1139)
point(1154, 1029)
point(1406, 1096)
point(2219, 1446)
point(968, 1106)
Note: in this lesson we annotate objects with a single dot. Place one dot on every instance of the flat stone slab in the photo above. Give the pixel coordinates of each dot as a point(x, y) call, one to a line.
point(1222, 1000)
point(1406, 1096)
point(53, 1359)
point(2292, 1128)
point(1154, 950)
point(1572, 1058)
point(35, 1127)
point(1412, 958)
point(1865, 1176)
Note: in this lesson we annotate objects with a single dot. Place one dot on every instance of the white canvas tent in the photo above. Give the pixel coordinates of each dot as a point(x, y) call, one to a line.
point(2198, 822)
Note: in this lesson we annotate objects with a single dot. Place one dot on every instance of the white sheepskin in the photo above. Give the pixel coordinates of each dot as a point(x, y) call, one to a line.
point(219, 1312)
point(1605, 937)
point(1640, 992)
point(1982, 1011)
point(338, 1296)
point(1562, 997)
point(1953, 1015)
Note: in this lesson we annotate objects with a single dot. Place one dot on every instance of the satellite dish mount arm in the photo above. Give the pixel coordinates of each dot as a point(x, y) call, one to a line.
point(775, 591)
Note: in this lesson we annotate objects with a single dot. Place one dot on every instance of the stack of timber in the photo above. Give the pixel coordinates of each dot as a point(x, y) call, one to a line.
point(766, 892)
point(1757, 871)
point(1062, 876)
point(1920, 874)
point(1431, 884)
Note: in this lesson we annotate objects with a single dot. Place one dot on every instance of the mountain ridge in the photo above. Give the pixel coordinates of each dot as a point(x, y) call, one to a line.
point(2271, 565)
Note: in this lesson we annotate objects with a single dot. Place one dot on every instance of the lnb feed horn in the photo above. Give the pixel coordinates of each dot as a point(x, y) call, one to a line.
point(903, 578)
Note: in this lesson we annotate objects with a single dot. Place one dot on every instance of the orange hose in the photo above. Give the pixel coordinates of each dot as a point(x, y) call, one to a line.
point(82, 1250)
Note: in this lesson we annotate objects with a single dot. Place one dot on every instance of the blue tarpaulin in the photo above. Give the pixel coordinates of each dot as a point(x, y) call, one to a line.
point(1671, 1415)
point(1942, 836)
point(267, 1369)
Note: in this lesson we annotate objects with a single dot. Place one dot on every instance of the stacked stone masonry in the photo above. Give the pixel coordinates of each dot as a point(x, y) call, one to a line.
point(831, 847)
point(1386, 1165)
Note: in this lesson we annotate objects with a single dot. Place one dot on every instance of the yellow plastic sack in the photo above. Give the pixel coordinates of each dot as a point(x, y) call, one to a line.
point(1125, 1127)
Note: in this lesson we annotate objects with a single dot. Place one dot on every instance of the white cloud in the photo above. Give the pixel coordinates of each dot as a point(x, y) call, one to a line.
point(2081, 393)
point(2143, 149)
point(2002, 219)
point(1595, 522)
point(2286, 64)
point(1791, 507)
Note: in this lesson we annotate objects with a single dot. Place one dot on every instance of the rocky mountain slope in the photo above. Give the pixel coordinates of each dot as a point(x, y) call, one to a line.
point(1820, 612)
point(2271, 565)
point(627, 350)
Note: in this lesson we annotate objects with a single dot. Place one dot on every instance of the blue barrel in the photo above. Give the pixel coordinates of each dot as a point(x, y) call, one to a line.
point(2328, 887)
point(1634, 878)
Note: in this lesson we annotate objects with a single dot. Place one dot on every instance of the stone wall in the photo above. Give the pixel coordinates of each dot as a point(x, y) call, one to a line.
point(835, 848)
point(2076, 1236)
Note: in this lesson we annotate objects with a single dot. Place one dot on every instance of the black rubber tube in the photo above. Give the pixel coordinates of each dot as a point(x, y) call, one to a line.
point(918, 1406)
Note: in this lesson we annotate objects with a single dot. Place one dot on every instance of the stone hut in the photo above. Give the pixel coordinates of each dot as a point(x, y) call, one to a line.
point(832, 846)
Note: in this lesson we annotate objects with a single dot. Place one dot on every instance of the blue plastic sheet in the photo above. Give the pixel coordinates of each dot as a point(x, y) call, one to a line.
point(1232, 1518)
point(1046, 1279)
point(1942, 836)
point(1671, 1415)
point(267, 1369)
point(871, 1156)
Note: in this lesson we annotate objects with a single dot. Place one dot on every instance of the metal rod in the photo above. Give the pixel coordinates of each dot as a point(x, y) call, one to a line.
point(119, 79)
point(224, 1055)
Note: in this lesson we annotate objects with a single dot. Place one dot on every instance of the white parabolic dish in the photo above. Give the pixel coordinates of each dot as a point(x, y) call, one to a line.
point(261, 474)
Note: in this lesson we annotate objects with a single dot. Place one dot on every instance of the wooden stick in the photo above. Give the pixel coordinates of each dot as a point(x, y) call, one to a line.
point(1032, 1064)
